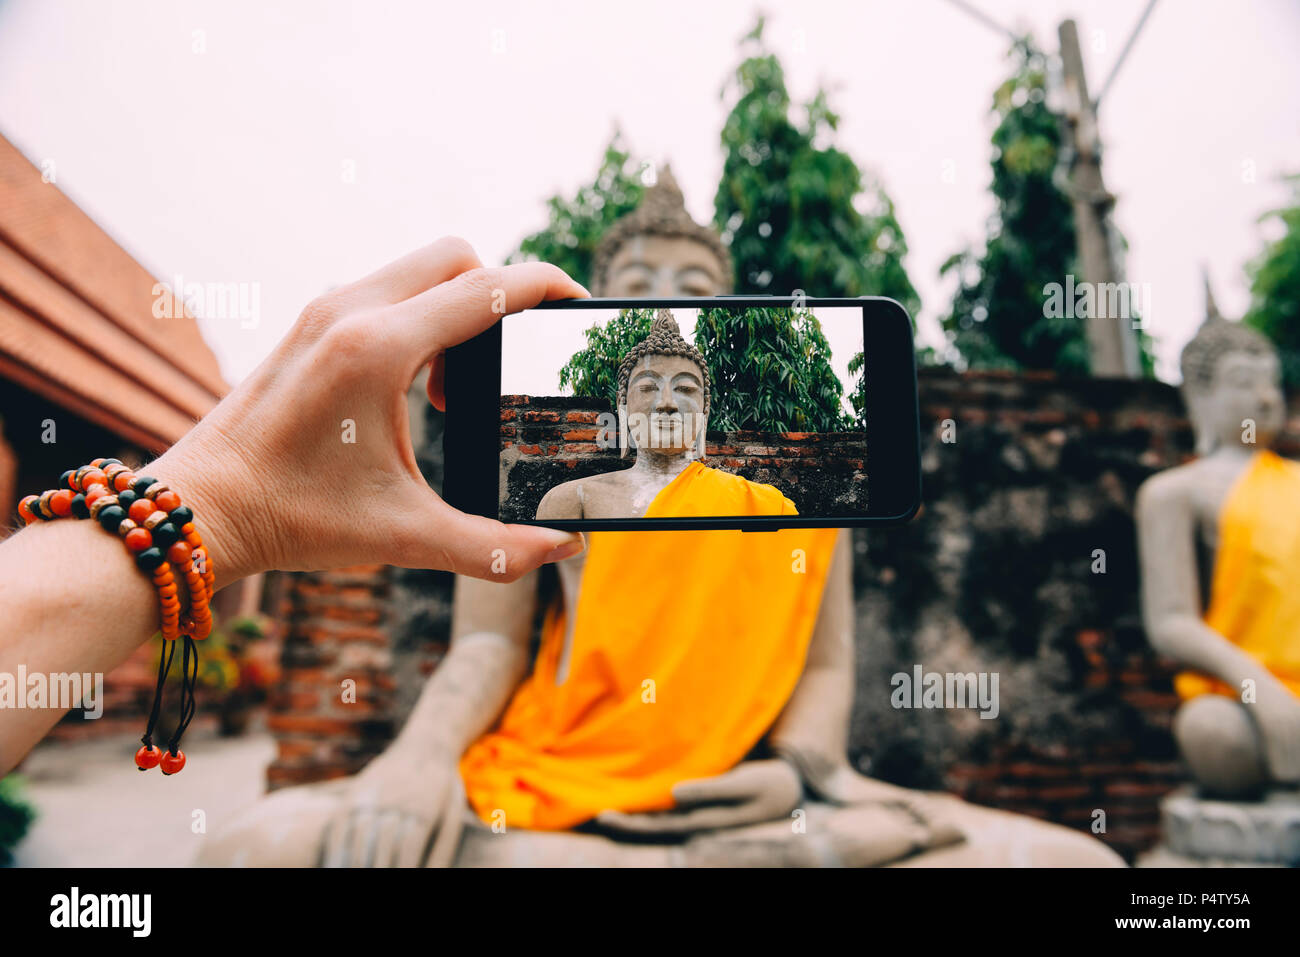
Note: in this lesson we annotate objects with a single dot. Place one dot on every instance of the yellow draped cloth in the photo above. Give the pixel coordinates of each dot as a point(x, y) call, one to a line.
point(1255, 588)
point(686, 646)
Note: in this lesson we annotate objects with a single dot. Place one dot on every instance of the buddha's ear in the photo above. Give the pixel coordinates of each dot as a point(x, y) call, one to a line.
point(703, 434)
point(624, 438)
point(1200, 410)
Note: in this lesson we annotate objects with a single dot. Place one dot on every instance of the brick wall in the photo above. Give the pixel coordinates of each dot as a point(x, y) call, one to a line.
point(995, 575)
point(546, 440)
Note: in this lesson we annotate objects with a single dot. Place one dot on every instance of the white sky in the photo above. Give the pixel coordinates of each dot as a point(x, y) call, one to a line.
point(227, 165)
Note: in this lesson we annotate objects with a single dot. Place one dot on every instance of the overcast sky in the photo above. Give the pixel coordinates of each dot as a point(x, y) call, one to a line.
point(213, 139)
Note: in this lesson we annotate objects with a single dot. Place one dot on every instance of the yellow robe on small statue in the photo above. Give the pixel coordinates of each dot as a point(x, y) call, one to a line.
point(686, 647)
point(1255, 588)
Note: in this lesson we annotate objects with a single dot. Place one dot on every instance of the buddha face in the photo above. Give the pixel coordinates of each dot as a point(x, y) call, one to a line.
point(1246, 388)
point(662, 266)
point(665, 406)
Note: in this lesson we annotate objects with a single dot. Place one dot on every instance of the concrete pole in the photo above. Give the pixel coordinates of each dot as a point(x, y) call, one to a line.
point(1111, 343)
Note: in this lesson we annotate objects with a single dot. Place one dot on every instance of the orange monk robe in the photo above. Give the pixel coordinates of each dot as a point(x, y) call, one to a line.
point(686, 646)
point(1255, 588)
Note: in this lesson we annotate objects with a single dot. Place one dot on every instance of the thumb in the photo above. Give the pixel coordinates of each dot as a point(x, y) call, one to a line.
point(484, 548)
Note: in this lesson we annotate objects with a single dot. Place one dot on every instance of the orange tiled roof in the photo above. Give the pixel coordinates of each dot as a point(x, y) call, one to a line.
point(77, 323)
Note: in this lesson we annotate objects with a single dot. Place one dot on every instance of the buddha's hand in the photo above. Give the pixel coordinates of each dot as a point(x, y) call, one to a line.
point(750, 793)
point(1277, 715)
point(308, 463)
point(403, 810)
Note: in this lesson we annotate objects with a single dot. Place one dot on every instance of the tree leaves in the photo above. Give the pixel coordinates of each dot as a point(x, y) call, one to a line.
point(1275, 287)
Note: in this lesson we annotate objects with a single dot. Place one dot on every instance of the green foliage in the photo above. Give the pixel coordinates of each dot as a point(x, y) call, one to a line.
point(594, 370)
point(16, 816)
point(997, 316)
point(1275, 287)
point(794, 209)
point(771, 371)
point(575, 225)
point(771, 367)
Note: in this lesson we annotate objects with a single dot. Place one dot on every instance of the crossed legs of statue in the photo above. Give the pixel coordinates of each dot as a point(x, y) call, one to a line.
point(926, 830)
point(1222, 747)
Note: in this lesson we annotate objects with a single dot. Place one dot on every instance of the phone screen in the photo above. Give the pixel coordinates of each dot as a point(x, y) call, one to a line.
point(709, 411)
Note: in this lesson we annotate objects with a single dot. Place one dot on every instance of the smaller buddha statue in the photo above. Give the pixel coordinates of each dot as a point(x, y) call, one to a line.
point(659, 251)
point(1219, 541)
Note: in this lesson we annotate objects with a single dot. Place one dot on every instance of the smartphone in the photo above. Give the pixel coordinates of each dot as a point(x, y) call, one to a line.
point(737, 412)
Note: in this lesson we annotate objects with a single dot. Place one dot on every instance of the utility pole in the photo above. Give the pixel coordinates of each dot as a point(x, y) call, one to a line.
point(1111, 343)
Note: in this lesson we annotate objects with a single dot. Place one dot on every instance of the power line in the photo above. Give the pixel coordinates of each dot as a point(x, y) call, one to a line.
point(984, 18)
point(1132, 38)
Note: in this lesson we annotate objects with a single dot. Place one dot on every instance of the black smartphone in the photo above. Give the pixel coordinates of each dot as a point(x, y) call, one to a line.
point(756, 413)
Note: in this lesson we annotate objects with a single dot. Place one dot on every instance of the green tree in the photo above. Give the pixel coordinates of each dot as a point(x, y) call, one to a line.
point(795, 210)
point(997, 316)
point(771, 368)
point(575, 225)
point(1275, 287)
point(771, 371)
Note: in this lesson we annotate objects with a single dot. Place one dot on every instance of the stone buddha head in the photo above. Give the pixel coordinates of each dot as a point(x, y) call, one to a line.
point(657, 250)
point(1232, 384)
point(664, 394)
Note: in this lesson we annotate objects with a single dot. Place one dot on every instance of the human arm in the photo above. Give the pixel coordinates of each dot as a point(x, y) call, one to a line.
point(274, 480)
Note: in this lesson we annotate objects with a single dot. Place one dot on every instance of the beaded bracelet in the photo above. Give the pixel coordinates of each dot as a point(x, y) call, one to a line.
point(160, 533)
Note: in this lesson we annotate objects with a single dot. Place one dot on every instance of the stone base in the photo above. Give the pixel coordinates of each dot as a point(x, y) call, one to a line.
point(1161, 856)
point(1201, 832)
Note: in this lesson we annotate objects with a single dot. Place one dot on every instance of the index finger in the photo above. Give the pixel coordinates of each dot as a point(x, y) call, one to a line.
point(462, 307)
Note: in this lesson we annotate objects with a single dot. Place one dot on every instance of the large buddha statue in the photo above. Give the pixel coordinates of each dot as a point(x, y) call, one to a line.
point(1220, 554)
point(689, 701)
point(658, 250)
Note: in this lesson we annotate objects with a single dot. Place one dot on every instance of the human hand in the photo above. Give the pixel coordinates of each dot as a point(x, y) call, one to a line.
point(404, 810)
point(751, 792)
point(308, 464)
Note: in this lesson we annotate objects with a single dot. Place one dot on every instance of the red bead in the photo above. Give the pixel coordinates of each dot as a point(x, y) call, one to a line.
point(122, 481)
point(138, 539)
point(61, 503)
point(171, 763)
point(93, 492)
point(93, 477)
point(141, 509)
point(179, 554)
point(27, 508)
point(167, 501)
point(147, 758)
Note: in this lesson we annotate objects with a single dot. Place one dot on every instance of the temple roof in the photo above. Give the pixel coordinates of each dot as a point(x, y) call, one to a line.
point(77, 322)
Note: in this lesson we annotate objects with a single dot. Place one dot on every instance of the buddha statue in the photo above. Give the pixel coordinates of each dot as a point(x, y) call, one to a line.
point(659, 251)
point(1219, 540)
point(689, 701)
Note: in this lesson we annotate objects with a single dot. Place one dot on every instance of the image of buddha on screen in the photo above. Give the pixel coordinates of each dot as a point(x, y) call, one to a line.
point(664, 396)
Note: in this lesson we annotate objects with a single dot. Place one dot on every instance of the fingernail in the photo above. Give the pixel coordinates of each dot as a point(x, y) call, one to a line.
point(560, 552)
